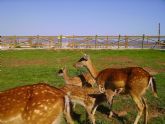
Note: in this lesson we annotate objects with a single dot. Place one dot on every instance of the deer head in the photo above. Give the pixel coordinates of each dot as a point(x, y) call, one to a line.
point(83, 61)
point(62, 71)
point(101, 88)
point(86, 62)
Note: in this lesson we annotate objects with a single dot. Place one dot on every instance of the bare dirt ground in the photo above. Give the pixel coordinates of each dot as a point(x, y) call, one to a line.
point(22, 62)
point(156, 112)
point(121, 62)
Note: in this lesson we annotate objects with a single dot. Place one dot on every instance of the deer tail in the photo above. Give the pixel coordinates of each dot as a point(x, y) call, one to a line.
point(152, 84)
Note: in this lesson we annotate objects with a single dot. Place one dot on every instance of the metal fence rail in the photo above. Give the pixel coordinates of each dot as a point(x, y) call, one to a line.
point(82, 42)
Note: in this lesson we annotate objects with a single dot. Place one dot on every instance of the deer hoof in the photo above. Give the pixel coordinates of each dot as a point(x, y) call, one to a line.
point(111, 114)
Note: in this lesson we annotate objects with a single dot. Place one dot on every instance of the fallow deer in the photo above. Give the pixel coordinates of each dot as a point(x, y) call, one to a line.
point(77, 80)
point(34, 104)
point(87, 97)
point(83, 80)
point(133, 80)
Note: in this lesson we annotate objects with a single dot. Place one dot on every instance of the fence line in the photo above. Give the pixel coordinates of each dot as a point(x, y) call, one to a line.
point(82, 42)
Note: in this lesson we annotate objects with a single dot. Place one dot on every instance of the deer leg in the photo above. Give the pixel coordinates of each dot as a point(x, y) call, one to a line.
point(109, 96)
point(91, 115)
point(111, 113)
point(140, 106)
point(94, 109)
point(145, 111)
point(74, 105)
point(67, 111)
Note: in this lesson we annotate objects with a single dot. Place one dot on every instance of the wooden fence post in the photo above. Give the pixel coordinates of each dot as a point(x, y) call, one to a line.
point(73, 41)
point(30, 41)
point(143, 41)
point(159, 35)
point(126, 41)
point(107, 42)
point(37, 44)
point(60, 41)
point(158, 40)
point(118, 44)
point(10, 42)
point(15, 41)
point(96, 41)
point(50, 41)
point(147, 41)
point(59, 44)
point(1, 44)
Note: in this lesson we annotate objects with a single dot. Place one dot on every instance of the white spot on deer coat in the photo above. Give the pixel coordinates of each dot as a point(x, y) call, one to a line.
point(37, 111)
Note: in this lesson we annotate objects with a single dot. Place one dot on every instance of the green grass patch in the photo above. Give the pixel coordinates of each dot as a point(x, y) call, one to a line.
point(22, 67)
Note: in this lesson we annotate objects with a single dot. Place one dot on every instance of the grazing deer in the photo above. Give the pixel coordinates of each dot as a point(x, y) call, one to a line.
point(133, 80)
point(83, 80)
point(87, 97)
point(34, 104)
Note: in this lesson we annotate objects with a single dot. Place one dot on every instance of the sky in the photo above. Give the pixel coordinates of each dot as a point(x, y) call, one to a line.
point(81, 17)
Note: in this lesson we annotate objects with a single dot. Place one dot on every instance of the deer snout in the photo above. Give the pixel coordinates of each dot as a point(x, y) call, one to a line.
point(60, 74)
point(101, 89)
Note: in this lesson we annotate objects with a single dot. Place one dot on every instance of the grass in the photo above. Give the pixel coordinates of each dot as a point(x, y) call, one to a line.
point(21, 67)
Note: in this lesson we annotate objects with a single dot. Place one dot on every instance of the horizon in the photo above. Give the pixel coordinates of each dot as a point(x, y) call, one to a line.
point(87, 17)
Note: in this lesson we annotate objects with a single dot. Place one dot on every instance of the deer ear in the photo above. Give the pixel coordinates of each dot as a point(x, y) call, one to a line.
point(86, 56)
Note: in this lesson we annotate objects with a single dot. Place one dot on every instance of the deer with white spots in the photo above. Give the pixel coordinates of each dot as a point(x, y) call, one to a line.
point(83, 80)
point(87, 97)
point(132, 80)
point(34, 104)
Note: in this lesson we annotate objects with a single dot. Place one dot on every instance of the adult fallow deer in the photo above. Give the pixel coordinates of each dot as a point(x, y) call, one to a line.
point(133, 80)
point(34, 104)
point(83, 80)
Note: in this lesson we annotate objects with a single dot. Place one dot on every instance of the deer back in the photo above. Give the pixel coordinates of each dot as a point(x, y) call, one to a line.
point(81, 95)
point(128, 78)
point(39, 104)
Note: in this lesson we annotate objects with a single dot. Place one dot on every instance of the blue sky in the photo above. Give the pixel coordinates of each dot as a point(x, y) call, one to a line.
point(81, 17)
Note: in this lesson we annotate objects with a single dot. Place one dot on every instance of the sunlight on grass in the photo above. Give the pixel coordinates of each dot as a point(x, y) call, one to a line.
point(33, 66)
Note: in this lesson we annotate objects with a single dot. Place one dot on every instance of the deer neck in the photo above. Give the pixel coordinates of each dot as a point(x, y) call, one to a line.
point(66, 77)
point(92, 69)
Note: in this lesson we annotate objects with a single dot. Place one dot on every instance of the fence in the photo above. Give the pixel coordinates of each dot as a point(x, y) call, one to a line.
point(82, 42)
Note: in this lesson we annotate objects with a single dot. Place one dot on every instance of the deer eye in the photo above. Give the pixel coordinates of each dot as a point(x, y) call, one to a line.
point(60, 71)
point(82, 59)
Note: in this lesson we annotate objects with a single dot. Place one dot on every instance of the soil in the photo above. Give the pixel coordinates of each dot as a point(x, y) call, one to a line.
point(151, 71)
point(122, 62)
point(16, 63)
